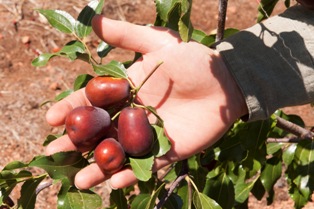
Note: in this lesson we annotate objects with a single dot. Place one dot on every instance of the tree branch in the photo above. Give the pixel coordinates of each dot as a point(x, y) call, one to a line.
point(222, 13)
point(183, 173)
point(300, 132)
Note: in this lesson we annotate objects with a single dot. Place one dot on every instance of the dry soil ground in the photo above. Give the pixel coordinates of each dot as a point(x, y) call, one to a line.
point(24, 34)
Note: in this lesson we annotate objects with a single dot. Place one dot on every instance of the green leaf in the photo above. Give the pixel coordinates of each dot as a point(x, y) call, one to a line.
point(9, 179)
point(28, 193)
point(15, 165)
point(147, 202)
point(118, 197)
point(242, 190)
point(303, 172)
point(60, 20)
point(201, 201)
point(50, 138)
point(114, 69)
point(42, 59)
point(141, 201)
point(162, 144)
point(62, 194)
point(83, 26)
point(61, 165)
point(185, 24)
point(81, 81)
point(103, 49)
point(72, 50)
point(142, 167)
point(203, 38)
point(185, 195)
point(217, 188)
point(288, 154)
point(81, 199)
point(63, 94)
point(271, 173)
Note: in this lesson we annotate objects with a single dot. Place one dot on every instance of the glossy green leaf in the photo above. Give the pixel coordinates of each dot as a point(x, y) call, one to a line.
point(185, 195)
point(217, 188)
point(63, 94)
point(202, 201)
point(61, 165)
point(42, 59)
point(140, 201)
point(304, 171)
point(72, 50)
point(28, 193)
point(242, 190)
point(103, 49)
point(60, 20)
point(62, 194)
point(81, 81)
point(142, 167)
point(81, 199)
point(272, 148)
point(162, 144)
point(83, 26)
point(271, 173)
point(288, 154)
point(114, 69)
point(118, 197)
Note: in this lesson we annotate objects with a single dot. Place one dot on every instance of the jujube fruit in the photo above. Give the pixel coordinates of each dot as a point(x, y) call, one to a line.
point(107, 92)
point(109, 156)
point(135, 133)
point(86, 125)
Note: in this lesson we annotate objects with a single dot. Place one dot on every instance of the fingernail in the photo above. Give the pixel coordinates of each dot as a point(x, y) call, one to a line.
point(110, 185)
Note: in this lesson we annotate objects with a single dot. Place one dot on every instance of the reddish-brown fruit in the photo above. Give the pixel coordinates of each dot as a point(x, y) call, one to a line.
point(107, 92)
point(109, 156)
point(86, 125)
point(135, 133)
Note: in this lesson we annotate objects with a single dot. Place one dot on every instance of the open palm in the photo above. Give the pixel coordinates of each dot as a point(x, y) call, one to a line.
point(192, 91)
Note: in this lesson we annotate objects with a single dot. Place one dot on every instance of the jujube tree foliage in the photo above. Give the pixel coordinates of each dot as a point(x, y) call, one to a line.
point(115, 132)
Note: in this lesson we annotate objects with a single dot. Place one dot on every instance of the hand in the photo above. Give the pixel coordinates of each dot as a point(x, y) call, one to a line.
point(192, 91)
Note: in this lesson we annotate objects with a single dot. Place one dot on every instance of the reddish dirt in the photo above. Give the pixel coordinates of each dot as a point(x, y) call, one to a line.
point(24, 34)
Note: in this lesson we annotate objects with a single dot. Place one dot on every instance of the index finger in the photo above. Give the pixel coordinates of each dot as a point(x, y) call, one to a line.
point(56, 115)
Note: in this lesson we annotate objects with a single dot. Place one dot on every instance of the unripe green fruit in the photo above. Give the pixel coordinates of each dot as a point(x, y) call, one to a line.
point(109, 156)
point(107, 92)
point(135, 133)
point(86, 126)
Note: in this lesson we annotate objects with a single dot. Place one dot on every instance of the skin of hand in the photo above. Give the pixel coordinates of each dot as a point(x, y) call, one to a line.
point(192, 91)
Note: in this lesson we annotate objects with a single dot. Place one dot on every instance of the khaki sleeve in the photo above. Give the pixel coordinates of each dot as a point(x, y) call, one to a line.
point(273, 62)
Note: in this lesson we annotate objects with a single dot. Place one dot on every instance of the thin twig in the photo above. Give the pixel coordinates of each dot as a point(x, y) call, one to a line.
point(294, 139)
point(43, 186)
point(222, 13)
point(183, 173)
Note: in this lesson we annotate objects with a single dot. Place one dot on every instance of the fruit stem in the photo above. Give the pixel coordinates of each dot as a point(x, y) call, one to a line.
point(148, 76)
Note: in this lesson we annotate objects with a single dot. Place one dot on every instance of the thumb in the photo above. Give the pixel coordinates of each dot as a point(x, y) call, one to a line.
point(133, 37)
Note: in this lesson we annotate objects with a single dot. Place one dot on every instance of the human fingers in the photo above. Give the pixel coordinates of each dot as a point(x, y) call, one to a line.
point(61, 144)
point(129, 36)
point(56, 115)
point(92, 175)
